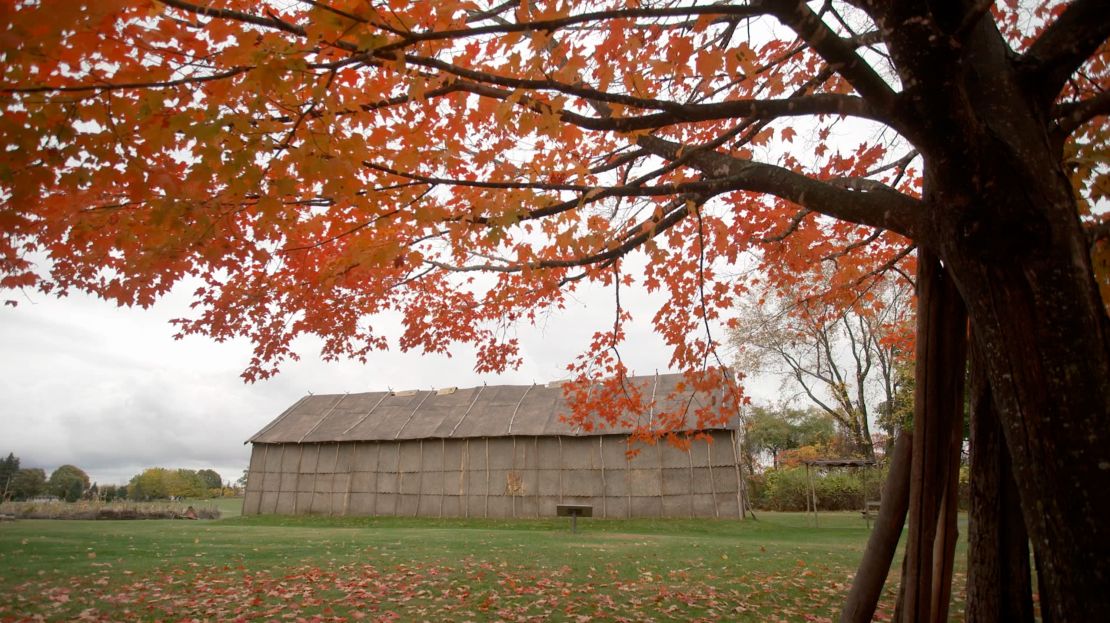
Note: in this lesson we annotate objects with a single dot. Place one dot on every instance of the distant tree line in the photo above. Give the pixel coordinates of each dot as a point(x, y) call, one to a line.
point(71, 483)
point(68, 482)
point(159, 483)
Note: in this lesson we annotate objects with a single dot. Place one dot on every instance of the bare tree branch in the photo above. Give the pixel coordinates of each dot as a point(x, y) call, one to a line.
point(1063, 47)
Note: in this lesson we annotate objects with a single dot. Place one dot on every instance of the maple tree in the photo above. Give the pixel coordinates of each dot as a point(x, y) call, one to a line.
point(316, 163)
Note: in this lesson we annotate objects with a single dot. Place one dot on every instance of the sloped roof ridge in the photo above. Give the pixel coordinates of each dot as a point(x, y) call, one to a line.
point(488, 411)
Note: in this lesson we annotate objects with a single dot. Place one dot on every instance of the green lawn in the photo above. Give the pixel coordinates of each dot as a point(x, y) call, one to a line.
point(319, 568)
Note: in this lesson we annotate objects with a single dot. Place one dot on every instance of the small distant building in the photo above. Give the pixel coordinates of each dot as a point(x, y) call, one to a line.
point(491, 451)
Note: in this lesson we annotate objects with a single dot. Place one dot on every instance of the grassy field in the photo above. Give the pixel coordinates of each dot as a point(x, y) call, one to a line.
point(779, 568)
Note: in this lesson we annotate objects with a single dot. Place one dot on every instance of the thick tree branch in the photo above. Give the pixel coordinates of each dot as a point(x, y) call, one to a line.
point(1098, 231)
point(239, 16)
point(838, 53)
point(885, 208)
point(822, 104)
point(1063, 47)
point(836, 414)
point(1071, 116)
point(122, 86)
point(447, 181)
point(633, 238)
point(532, 84)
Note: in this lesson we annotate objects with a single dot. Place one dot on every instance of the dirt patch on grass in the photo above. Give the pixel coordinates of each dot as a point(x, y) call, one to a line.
point(625, 536)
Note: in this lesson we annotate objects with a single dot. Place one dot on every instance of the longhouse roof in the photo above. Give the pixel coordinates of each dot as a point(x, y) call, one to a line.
point(486, 411)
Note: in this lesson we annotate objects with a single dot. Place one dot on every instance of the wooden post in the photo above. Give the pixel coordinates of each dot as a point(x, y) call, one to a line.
point(734, 441)
point(659, 447)
point(867, 585)
point(297, 480)
point(712, 483)
point(938, 406)
point(315, 478)
point(813, 493)
point(377, 474)
point(690, 477)
point(331, 494)
point(442, 473)
point(350, 478)
point(628, 479)
point(464, 471)
point(400, 481)
point(560, 438)
point(601, 458)
point(512, 468)
point(262, 482)
point(944, 545)
point(536, 463)
point(420, 475)
point(487, 477)
point(281, 474)
point(808, 498)
point(866, 512)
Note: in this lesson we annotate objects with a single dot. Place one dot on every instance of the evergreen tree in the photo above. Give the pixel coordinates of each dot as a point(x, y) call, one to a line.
point(8, 469)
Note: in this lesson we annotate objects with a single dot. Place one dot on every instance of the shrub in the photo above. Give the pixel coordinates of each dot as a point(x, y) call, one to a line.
point(841, 489)
point(783, 490)
point(103, 510)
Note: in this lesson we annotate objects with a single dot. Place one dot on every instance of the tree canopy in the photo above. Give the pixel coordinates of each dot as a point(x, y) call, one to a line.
point(160, 483)
point(317, 163)
point(211, 478)
point(28, 483)
point(773, 430)
point(68, 482)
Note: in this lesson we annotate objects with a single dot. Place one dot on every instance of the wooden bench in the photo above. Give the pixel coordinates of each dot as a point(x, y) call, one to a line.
point(574, 511)
point(870, 511)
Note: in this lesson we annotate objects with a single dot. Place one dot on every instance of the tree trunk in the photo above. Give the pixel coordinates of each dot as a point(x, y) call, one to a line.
point(944, 545)
point(1048, 374)
point(867, 585)
point(938, 410)
point(1005, 223)
point(998, 580)
point(1047, 615)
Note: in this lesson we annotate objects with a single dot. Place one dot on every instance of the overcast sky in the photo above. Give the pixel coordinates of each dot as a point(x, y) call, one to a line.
point(109, 390)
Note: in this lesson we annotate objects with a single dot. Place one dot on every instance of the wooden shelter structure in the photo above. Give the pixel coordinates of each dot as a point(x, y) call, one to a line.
point(490, 451)
point(811, 503)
